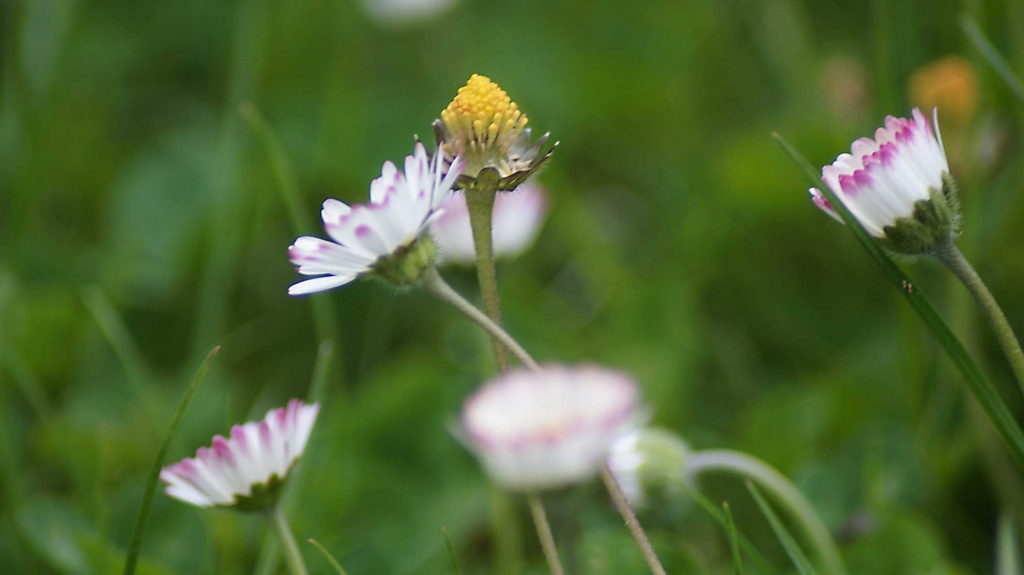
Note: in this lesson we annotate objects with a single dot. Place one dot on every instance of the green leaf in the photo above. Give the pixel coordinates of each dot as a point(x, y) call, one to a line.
point(1007, 553)
point(796, 554)
point(330, 558)
point(986, 394)
point(992, 55)
point(451, 551)
point(154, 473)
point(733, 539)
point(763, 564)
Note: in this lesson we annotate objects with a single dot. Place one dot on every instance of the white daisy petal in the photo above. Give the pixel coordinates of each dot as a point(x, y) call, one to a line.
point(549, 429)
point(400, 208)
point(883, 178)
point(230, 468)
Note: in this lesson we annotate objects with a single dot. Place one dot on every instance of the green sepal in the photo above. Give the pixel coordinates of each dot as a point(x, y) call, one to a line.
point(262, 497)
point(935, 222)
point(404, 267)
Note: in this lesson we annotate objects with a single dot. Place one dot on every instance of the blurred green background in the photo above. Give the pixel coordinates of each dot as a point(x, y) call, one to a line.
point(141, 224)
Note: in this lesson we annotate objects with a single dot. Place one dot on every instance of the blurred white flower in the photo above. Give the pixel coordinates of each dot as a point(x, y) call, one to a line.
point(518, 217)
point(379, 237)
point(898, 185)
point(247, 470)
point(405, 12)
point(649, 465)
point(542, 430)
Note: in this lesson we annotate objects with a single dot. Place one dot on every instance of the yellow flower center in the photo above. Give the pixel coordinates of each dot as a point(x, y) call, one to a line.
point(482, 119)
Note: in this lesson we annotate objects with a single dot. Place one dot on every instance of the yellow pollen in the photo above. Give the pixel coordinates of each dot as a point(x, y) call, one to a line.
point(482, 114)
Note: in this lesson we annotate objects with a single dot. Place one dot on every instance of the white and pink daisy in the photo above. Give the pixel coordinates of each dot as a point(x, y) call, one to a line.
point(882, 181)
point(248, 469)
point(542, 430)
point(382, 236)
point(518, 217)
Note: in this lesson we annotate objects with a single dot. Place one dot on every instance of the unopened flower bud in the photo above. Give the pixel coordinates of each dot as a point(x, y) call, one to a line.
point(650, 466)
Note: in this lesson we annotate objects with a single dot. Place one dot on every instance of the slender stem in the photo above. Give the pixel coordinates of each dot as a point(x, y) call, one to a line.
point(632, 523)
point(781, 489)
point(958, 264)
point(291, 551)
point(432, 282)
point(480, 203)
point(547, 540)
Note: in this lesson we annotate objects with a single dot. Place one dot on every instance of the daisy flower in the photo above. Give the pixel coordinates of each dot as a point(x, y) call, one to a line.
point(486, 128)
point(381, 238)
point(547, 429)
point(897, 185)
point(247, 470)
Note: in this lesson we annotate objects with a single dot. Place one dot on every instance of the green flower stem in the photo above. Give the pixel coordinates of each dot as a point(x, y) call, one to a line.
point(949, 255)
point(432, 282)
point(632, 523)
point(987, 395)
point(291, 551)
point(547, 540)
point(480, 203)
point(781, 489)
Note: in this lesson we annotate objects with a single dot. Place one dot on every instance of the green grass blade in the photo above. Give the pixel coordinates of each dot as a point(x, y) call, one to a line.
point(737, 560)
point(796, 554)
point(986, 394)
point(1007, 551)
point(124, 346)
point(330, 558)
point(992, 55)
point(763, 565)
point(154, 474)
point(451, 551)
point(323, 309)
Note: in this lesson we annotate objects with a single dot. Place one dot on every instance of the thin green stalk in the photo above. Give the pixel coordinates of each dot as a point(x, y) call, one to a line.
point(227, 210)
point(986, 394)
point(330, 558)
point(632, 523)
point(547, 540)
point(995, 59)
point(269, 556)
point(949, 255)
point(480, 203)
point(734, 542)
point(154, 473)
point(116, 332)
point(796, 554)
point(432, 282)
point(749, 467)
point(451, 551)
point(324, 317)
point(1008, 561)
point(291, 551)
point(508, 542)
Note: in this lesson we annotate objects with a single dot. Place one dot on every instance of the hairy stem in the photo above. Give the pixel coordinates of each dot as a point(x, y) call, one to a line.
point(432, 282)
point(480, 203)
point(547, 540)
point(632, 523)
point(961, 268)
point(767, 477)
point(291, 551)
